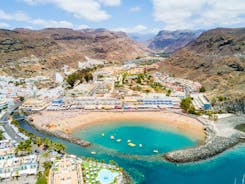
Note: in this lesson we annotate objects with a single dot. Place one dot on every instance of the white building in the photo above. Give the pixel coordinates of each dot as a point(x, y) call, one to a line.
point(11, 166)
point(200, 101)
point(3, 104)
point(95, 103)
point(89, 63)
point(151, 101)
point(59, 78)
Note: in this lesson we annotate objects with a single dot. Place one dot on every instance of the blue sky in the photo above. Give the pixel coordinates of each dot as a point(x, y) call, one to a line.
point(132, 16)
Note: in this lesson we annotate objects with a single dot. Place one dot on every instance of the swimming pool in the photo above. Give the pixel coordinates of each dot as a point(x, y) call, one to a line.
point(105, 176)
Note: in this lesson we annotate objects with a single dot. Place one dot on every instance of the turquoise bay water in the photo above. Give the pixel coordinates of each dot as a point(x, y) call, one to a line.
point(144, 166)
point(149, 136)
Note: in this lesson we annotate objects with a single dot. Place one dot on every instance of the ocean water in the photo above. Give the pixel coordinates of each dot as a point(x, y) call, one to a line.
point(146, 167)
point(145, 136)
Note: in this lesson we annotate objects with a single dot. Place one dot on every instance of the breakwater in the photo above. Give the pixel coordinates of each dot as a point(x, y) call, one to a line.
point(62, 135)
point(213, 147)
point(214, 144)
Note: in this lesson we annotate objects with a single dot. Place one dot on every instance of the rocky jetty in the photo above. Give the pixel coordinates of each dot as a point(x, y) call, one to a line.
point(62, 135)
point(215, 146)
point(69, 138)
point(219, 138)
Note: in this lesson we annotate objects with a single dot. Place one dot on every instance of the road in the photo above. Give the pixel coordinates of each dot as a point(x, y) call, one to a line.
point(4, 120)
point(93, 91)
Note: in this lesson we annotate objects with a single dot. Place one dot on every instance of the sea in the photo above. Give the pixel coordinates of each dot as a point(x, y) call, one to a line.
point(143, 160)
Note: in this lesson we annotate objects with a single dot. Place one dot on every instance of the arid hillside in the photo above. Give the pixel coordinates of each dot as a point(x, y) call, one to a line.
point(216, 59)
point(26, 52)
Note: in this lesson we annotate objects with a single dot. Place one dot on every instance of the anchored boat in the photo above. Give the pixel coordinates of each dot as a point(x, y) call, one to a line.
point(131, 144)
point(155, 151)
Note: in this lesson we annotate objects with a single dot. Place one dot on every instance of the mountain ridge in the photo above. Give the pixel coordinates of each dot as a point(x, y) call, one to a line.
point(216, 58)
point(37, 52)
point(171, 41)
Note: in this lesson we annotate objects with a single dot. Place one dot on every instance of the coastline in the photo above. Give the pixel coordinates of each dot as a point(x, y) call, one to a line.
point(61, 135)
point(69, 122)
point(212, 139)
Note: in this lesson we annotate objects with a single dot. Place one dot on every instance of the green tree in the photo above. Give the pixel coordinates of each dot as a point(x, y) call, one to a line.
point(1, 135)
point(191, 110)
point(47, 165)
point(139, 80)
point(41, 179)
point(21, 98)
point(81, 76)
point(124, 76)
point(168, 92)
point(60, 148)
point(71, 79)
point(88, 77)
point(202, 89)
point(185, 103)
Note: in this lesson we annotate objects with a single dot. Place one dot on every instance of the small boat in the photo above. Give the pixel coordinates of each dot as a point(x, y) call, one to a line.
point(140, 145)
point(129, 140)
point(119, 140)
point(131, 144)
point(93, 152)
point(155, 151)
point(112, 137)
point(102, 134)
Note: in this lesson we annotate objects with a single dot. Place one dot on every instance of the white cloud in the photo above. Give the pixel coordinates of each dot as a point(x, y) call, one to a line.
point(135, 29)
point(110, 2)
point(4, 25)
point(135, 9)
point(190, 14)
point(88, 9)
point(82, 26)
point(17, 16)
point(141, 29)
point(51, 23)
point(40, 23)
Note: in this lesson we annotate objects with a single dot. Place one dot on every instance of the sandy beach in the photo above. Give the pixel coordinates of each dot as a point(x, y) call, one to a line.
point(70, 121)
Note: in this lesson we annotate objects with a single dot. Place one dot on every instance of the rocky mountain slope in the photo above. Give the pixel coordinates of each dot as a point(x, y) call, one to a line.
point(26, 52)
point(216, 59)
point(170, 41)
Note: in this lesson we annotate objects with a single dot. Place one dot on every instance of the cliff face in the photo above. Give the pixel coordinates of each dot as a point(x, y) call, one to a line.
point(26, 52)
point(170, 41)
point(216, 59)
